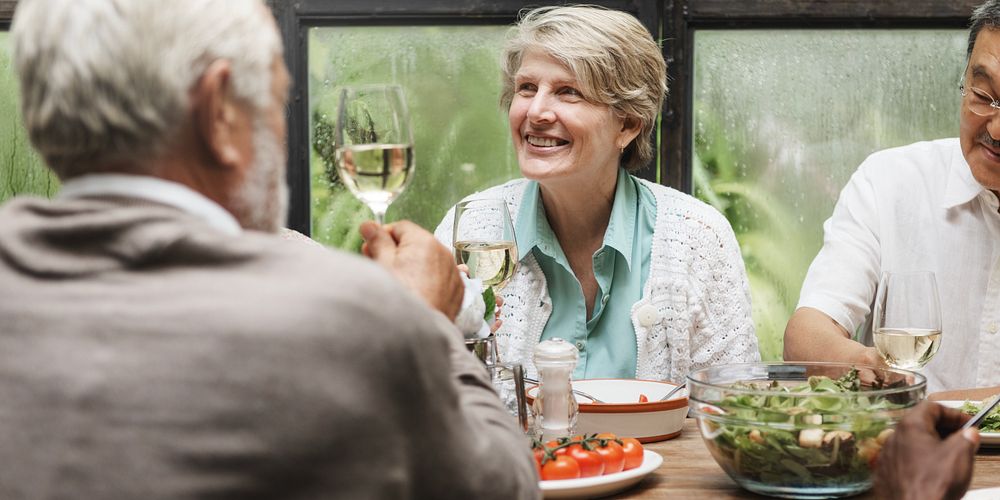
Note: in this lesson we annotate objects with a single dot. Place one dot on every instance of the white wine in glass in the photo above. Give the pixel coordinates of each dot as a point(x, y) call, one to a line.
point(374, 144)
point(907, 324)
point(484, 241)
point(492, 262)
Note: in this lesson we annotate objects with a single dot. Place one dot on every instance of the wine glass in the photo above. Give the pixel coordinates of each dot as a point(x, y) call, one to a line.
point(483, 237)
point(374, 144)
point(907, 319)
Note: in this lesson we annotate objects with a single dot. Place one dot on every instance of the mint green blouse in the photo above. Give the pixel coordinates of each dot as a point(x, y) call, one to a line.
point(606, 341)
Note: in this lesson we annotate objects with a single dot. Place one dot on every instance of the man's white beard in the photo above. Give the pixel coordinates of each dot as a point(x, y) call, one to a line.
point(261, 203)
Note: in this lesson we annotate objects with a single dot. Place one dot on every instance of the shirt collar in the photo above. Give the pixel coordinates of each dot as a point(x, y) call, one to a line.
point(532, 228)
point(154, 189)
point(533, 231)
point(621, 227)
point(962, 186)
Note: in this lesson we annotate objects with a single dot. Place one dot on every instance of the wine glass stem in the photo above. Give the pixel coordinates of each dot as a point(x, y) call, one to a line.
point(379, 213)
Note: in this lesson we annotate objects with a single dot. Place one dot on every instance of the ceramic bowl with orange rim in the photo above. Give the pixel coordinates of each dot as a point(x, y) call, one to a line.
point(623, 414)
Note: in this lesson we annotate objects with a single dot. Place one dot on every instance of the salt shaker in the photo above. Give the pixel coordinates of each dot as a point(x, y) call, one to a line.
point(555, 407)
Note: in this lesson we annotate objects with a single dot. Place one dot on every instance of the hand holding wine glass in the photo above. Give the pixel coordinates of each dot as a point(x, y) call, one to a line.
point(483, 237)
point(374, 144)
point(907, 319)
point(418, 261)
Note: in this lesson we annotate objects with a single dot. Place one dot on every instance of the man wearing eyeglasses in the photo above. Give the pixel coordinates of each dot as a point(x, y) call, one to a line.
point(929, 206)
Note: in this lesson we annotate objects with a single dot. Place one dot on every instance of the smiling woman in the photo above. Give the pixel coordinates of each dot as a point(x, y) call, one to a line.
point(599, 248)
point(560, 134)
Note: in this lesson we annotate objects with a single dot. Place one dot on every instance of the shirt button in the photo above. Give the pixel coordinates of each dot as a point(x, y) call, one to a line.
point(605, 299)
point(580, 345)
point(992, 327)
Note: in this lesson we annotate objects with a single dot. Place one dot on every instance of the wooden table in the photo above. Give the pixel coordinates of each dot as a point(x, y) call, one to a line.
point(689, 471)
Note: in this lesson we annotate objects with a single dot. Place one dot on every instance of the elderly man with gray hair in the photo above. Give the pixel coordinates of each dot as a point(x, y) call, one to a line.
point(158, 341)
point(928, 206)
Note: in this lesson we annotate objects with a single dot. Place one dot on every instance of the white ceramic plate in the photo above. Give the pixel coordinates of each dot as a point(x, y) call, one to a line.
point(983, 494)
point(990, 439)
point(589, 487)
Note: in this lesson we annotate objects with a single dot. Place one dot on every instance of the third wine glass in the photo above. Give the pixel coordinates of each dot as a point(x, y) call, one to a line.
point(907, 322)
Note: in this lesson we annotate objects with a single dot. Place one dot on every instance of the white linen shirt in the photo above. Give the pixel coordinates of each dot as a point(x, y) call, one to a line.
point(918, 208)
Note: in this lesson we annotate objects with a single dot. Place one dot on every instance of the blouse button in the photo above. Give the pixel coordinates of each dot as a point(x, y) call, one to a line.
point(992, 327)
point(647, 315)
point(604, 300)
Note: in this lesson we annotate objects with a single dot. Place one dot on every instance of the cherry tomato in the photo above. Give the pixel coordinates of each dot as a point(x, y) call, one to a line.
point(606, 435)
point(555, 444)
point(590, 462)
point(643, 398)
point(613, 456)
point(633, 452)
point(563, 467)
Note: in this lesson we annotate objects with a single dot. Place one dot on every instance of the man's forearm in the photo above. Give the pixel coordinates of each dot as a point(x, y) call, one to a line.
point(811, 335)
point(501, 454)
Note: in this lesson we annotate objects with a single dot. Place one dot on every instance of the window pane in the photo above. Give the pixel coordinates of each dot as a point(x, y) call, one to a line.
point(783, 118)
point(21, 169)
point(451, 78)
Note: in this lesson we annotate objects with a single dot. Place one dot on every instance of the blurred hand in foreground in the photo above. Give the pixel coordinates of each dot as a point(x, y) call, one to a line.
point(927, 456)
point(418, 261)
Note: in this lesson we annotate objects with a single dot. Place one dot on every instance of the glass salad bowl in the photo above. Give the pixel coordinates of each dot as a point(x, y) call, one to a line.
point(800, 430)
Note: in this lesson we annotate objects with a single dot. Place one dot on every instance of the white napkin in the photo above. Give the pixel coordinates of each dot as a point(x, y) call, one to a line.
point(470, 317)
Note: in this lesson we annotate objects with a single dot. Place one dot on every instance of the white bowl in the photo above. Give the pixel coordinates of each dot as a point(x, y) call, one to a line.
point(623, 414)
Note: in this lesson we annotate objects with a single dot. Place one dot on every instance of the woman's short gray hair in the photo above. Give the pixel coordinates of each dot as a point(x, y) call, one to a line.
point(612, 55)
point(107, 81)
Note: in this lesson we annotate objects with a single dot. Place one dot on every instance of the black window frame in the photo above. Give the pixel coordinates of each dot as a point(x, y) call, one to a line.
point(672, 21)
point(6, 13)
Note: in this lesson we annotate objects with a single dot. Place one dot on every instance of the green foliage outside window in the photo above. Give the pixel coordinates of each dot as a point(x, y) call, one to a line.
point(451, 78)
point(21, 169)
point(783, 118)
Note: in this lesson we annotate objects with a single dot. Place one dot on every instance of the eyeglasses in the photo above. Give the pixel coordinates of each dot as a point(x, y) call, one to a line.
point(979, 101)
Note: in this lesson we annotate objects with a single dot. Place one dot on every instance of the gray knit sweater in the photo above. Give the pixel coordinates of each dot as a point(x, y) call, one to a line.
point(145, 355)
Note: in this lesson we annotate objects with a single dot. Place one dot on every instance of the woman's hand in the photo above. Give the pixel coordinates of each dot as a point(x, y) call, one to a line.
point(497, 322)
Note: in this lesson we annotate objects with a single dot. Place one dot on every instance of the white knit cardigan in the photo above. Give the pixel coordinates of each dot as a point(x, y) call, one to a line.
point(695, 306)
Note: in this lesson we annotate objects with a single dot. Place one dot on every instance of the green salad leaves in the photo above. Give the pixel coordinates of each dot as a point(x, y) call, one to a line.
point(992, 421)
point(490, 298)
point(800, 437)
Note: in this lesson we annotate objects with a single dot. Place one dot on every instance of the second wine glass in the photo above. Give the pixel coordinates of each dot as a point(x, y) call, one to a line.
point(907, 319)
point(483, 238)
point(374, 144)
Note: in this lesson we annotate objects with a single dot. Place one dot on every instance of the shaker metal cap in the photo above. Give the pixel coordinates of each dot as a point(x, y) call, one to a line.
point(555, 351)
